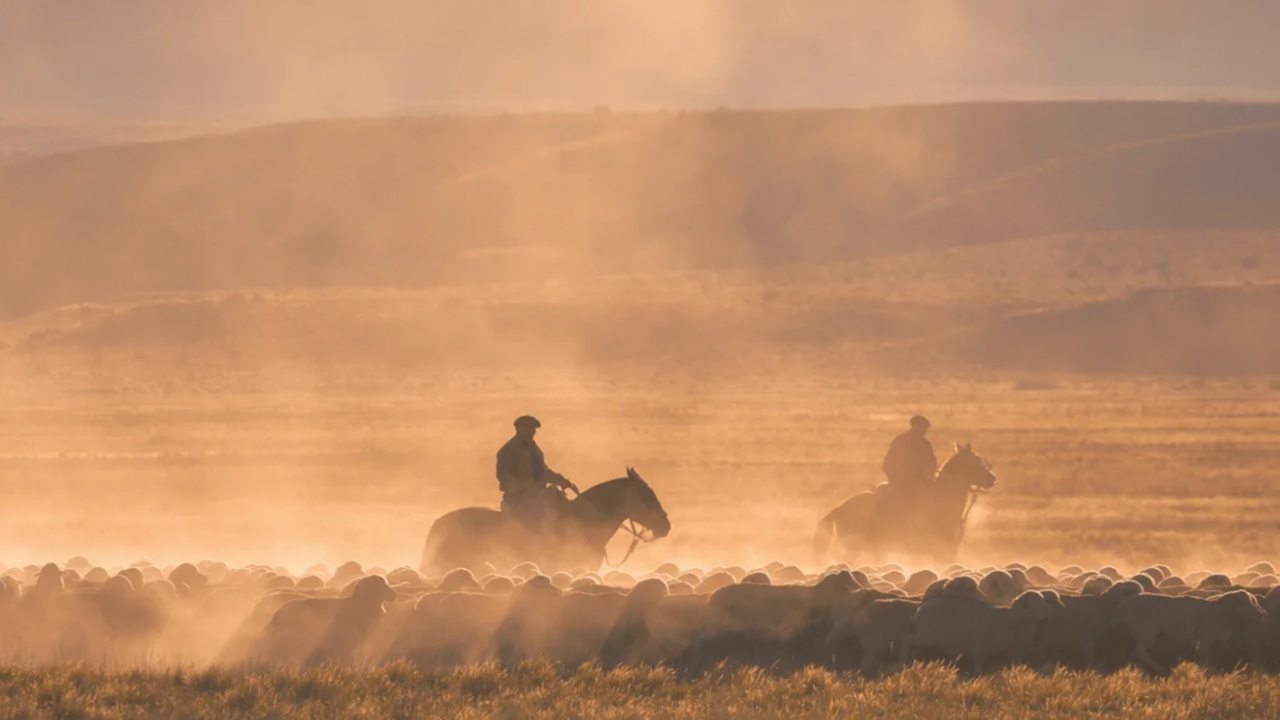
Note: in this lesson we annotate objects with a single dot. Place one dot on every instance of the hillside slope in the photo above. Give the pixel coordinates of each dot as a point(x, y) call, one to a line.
point(1211, 330)
point(1060, 304)
point(418, 202)
point(1225, 178)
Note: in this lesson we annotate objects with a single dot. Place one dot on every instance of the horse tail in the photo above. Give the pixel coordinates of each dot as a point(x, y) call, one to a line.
point(822, 535)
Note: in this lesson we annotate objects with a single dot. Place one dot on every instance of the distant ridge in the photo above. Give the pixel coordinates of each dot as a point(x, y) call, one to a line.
point(1221, 178)
point(1210, 331)
point(416, 202)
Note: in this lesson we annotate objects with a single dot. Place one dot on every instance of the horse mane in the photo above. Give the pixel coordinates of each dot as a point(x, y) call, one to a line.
point(610, 484)
point(599, 488)
point(592, 494)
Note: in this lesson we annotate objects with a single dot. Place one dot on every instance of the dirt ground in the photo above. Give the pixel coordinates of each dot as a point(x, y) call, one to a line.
point(1090, 471)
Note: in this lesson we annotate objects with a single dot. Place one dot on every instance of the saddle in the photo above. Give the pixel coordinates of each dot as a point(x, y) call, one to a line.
point(537, 511)
point(897, 505)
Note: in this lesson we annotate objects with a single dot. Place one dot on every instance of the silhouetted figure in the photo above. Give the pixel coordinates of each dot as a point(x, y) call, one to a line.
point(531, 491)
point(910, 465)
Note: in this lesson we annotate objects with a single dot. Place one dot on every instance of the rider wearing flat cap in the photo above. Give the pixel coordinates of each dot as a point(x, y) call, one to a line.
point(523, 476)
point(910, 465)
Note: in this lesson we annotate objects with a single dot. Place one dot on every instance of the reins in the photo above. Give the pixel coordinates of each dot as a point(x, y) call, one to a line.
point(974, 492)
point(637, 537)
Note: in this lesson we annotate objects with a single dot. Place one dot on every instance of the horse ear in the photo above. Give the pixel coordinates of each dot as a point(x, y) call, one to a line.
point(958, 448)
point(968, 447)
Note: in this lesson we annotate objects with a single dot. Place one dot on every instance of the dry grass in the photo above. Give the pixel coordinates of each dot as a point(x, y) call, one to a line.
point(538, 690)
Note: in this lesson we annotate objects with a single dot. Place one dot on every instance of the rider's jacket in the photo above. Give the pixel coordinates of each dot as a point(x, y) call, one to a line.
point(521, 467)
point(910, 462)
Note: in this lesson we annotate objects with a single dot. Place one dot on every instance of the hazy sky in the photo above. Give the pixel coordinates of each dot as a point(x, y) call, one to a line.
point(278, 59)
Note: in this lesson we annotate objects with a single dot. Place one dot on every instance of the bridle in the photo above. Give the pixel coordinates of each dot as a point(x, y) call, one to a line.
point(643, 534)
point(637, 536)
point(974, 493)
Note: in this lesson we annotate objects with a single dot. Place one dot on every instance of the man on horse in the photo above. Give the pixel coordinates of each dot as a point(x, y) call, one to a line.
point(910, 467)
point(531, 491)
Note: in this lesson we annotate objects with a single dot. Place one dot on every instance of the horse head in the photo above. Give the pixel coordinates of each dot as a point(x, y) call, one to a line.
point(968, 467)
point(642, 505)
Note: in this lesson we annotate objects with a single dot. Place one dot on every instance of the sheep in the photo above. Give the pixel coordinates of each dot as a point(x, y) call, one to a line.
point(896, 578)
point(1079, 633)
point(130, 621)
point(1000, 587)
point(304, 633)
point(1040, 577)
point(499, 585)
point(621, 579)
point(450, 628)
point(1261, 568)
point(248, 632)
point(785, 573)
point(869, 625)
point(1147, 582)
point(1217, 632)
point(1156, 573)
point(764, 625)
point(919, 582)
point(964, 626)
point(460, 580)
point(667, 569)
point(1214, 581)
point(654, 627)
point(524, 571)
point(189, 575)
point(682, 588)
point(345, 573)
point(568, 628)
point(714, 582)
point(1099, 584)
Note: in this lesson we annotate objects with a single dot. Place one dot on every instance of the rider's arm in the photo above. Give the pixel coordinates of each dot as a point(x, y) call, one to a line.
point(560, 481)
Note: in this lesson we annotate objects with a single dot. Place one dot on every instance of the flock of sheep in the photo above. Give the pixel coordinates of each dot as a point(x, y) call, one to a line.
point(872, 619)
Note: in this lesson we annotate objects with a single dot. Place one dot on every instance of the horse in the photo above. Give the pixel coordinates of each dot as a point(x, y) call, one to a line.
point(866, 522)
point(470, 537)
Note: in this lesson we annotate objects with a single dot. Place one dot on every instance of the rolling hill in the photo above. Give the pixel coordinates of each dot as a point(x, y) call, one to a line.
point(1129, 304)
point(25, 138)
point(1210, 331)
point(425, 201)
point(1224, 178)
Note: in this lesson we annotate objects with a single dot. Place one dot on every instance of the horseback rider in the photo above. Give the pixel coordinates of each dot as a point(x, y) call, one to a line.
point(531, 491)
point(910, 466)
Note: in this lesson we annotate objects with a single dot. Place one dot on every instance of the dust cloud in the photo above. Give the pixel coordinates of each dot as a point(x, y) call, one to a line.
point(304, 341)
point(239, 60)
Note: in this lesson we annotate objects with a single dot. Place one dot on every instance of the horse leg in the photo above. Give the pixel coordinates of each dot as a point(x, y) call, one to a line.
point(854, 544)
point(855, 529)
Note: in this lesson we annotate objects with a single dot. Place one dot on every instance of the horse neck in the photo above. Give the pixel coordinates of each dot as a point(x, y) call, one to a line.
point(602, 508)
point(951, 491)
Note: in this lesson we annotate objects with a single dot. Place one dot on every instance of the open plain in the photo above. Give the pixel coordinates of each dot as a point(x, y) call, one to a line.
point(268, 351)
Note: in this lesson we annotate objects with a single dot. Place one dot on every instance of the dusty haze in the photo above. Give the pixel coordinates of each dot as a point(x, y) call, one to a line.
point(302, 341)
point(220, 60)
